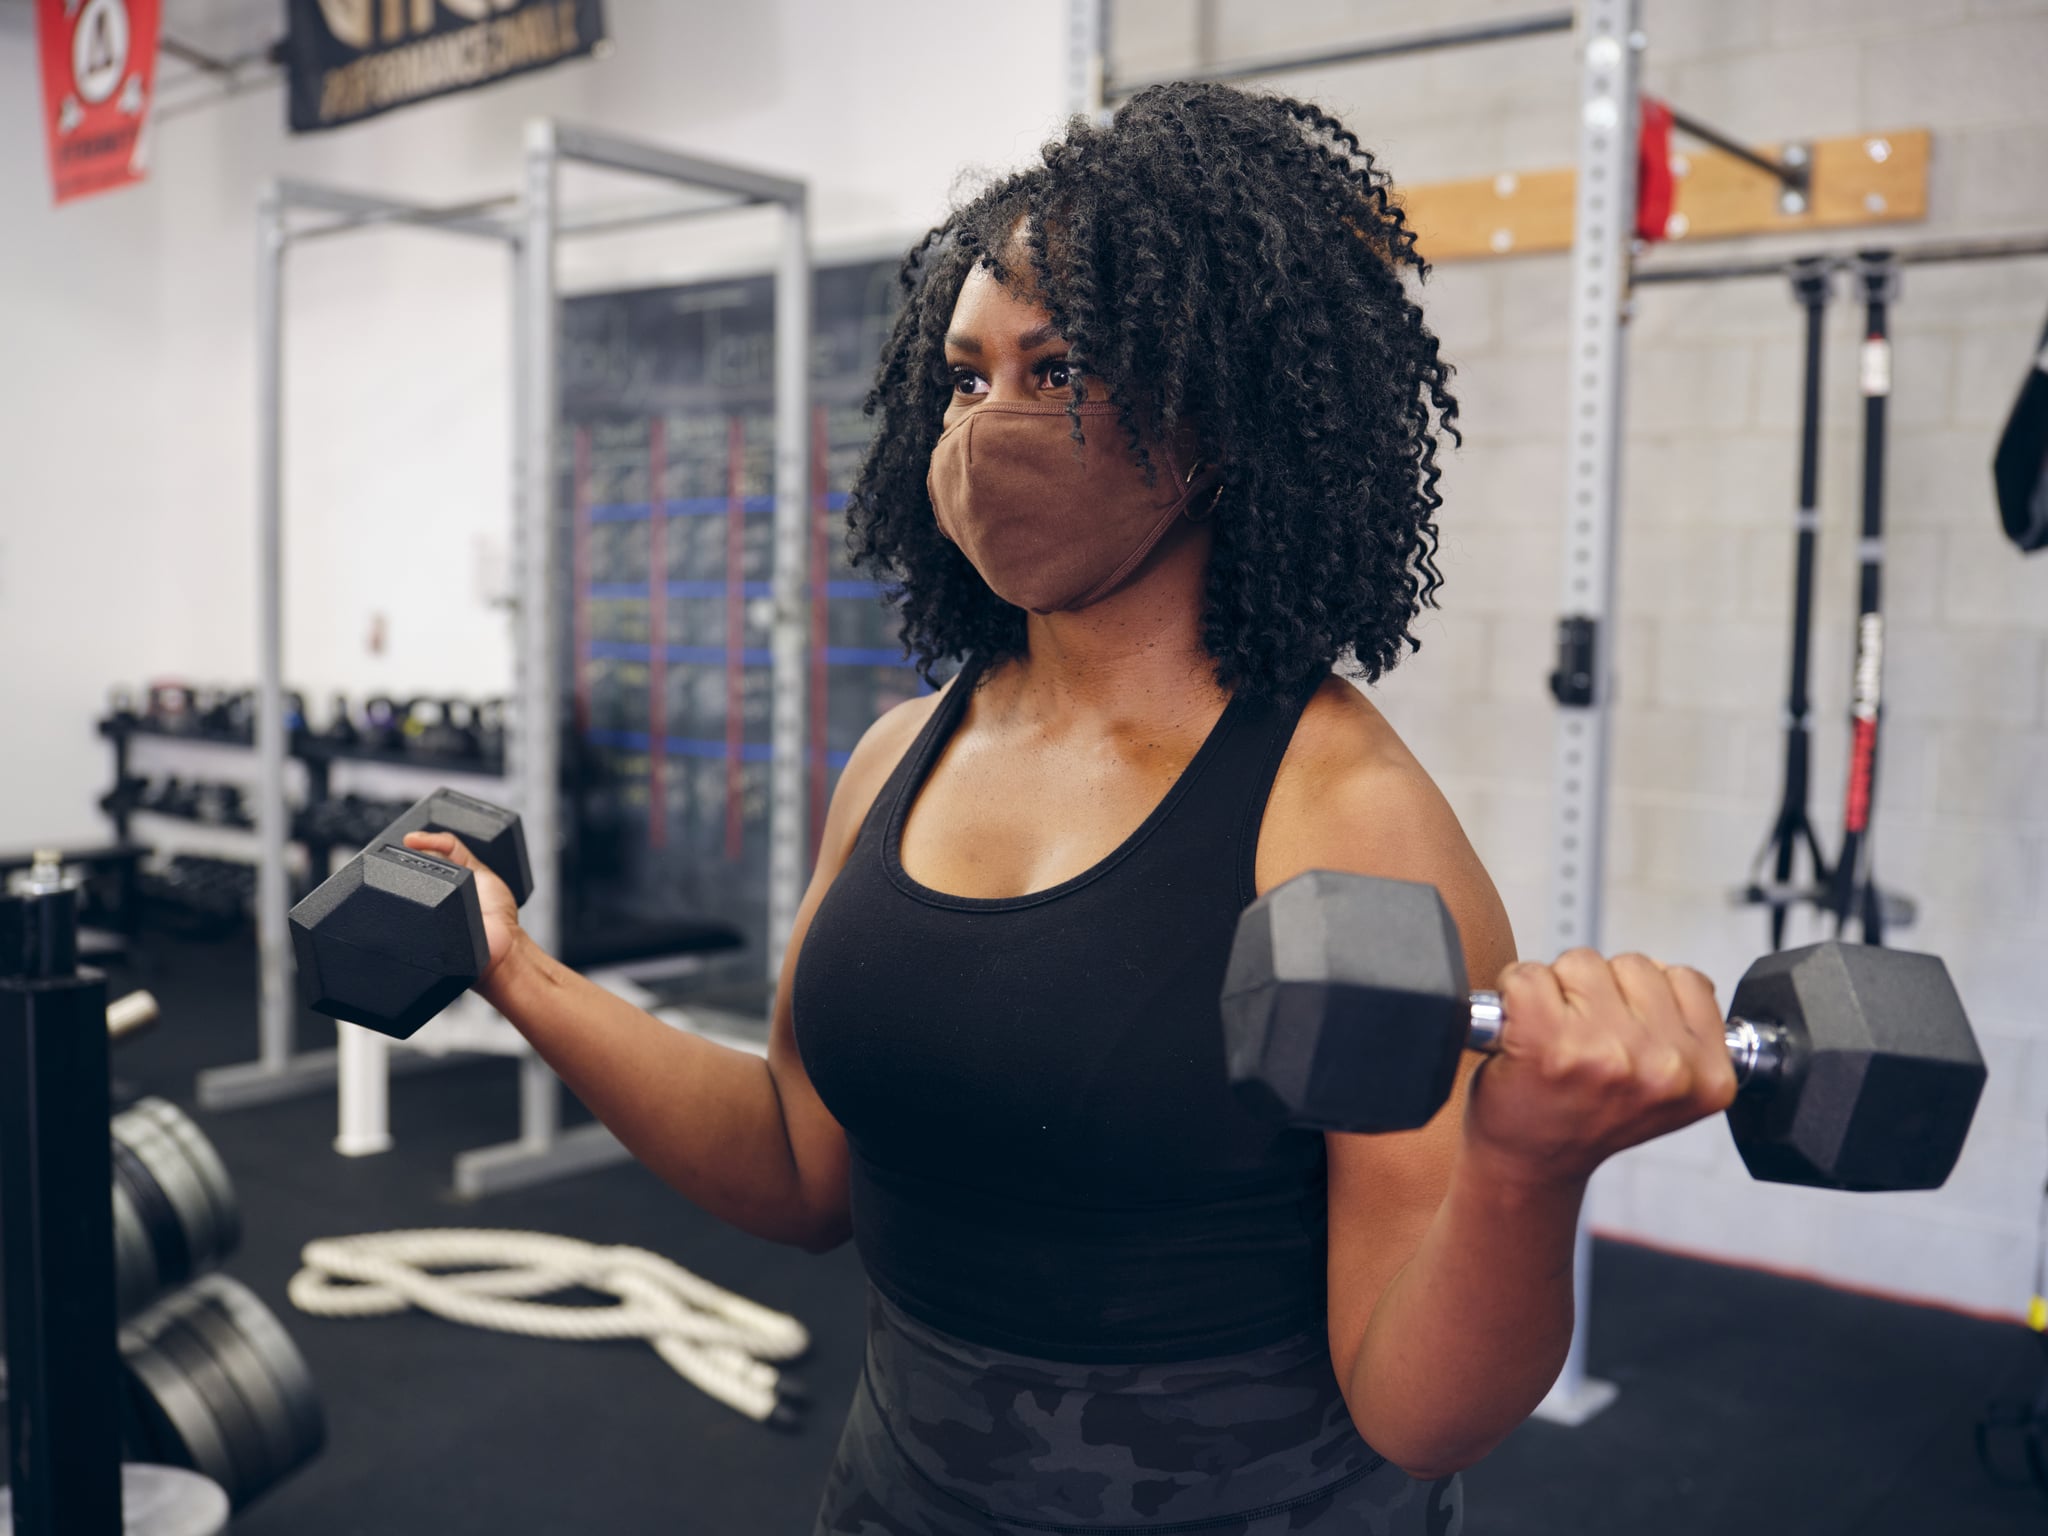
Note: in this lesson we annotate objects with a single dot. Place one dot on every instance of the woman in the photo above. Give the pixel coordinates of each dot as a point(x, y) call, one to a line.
point(1156, 451)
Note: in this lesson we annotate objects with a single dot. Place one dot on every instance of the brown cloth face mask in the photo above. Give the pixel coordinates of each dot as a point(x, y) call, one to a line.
point(1054, 525)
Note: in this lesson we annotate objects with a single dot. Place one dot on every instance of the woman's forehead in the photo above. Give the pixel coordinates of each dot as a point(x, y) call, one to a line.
point(992, 313)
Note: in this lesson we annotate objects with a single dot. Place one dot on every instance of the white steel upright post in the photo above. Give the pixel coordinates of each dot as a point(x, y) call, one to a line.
point(1603, 227)
point(277, 1013)
point(533, 741)
point(788, 833)
point(1087, 23)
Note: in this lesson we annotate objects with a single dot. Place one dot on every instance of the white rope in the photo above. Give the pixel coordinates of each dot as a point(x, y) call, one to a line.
point(718, 1342)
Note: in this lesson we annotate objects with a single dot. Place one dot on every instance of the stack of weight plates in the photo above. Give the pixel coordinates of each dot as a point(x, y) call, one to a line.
point(212, 1380)
point(175, 1215)
point(214, 1383)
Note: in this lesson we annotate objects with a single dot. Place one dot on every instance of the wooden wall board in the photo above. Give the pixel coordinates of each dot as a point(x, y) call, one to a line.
point(1858, 180)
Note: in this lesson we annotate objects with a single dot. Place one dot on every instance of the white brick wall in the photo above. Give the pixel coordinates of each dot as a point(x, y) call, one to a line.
point(1981, 72)
point(1784, 92)
point(1705, 565)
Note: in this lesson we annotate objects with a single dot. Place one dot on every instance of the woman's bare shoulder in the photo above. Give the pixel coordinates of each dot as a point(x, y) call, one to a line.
point(873, 759)
point(1349, 795)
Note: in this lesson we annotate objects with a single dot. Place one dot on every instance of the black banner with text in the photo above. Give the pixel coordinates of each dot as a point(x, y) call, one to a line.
point(351, 59)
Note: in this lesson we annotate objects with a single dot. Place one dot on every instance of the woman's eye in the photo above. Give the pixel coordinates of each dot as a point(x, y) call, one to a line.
point(967, 382)
point(1058, 375)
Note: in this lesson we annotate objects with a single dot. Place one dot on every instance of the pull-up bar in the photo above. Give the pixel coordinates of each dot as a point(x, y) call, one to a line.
point(2007, 248)
point(1387, 48)
point(355, 210)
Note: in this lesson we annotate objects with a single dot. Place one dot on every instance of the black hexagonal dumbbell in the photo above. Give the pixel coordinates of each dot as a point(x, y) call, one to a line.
point(1346, 1008)
point(394, 936)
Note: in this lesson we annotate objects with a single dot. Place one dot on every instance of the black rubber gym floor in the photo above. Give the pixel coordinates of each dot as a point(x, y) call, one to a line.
point(1748, 1400)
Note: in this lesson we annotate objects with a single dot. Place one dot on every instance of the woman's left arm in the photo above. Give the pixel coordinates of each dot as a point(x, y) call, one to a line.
point(1450, 1266)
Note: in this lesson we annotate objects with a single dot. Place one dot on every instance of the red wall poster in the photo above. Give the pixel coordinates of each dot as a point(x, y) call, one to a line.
point(99, 74)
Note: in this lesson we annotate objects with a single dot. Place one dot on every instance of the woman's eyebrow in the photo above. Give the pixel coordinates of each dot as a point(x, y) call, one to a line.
point(1034, 338)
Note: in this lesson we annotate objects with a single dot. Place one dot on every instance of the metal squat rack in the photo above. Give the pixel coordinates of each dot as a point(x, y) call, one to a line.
point(1610, 46)
point(530, 225)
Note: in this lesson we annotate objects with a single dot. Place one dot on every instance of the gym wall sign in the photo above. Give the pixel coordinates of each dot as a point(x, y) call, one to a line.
point(99, 74)
point(351, 59)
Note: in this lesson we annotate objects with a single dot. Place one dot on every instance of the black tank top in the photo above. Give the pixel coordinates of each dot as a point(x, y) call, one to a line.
point(1046, 1156)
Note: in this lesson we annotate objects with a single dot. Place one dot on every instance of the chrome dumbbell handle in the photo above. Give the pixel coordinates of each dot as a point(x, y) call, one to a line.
point(1489, 1023)
point(1758, 1050)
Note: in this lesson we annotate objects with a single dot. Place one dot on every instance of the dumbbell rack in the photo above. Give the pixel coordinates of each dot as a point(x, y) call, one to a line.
point(317, 753)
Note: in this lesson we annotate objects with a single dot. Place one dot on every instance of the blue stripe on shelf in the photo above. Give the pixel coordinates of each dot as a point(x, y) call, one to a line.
point(683, 506)
point(853, 656)
point(683, 655)
point(714, 655)
point(695, 506)
point(678, 746)
point(715, 589)
point(631, 591)
point(752, 656)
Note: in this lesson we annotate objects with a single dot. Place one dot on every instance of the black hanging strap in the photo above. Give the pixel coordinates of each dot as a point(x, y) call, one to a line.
point(1856, 893)
point(1812, 288)
point(2020, 468)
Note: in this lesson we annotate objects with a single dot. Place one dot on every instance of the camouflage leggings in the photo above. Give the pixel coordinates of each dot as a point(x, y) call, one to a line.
point(948, 1438)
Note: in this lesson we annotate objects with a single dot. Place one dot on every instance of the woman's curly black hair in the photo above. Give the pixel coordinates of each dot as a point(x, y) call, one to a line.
point(1228, 259)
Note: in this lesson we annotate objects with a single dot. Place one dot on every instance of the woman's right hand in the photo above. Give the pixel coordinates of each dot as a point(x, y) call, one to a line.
point(501, 912)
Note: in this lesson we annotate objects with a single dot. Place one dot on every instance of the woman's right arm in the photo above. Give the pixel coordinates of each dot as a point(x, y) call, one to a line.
point(747, 1139)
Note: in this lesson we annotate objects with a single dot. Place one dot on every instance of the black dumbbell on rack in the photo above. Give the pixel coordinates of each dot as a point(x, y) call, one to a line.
point(383, 724)
point(490, 728)
point(172, 707)
point(126, 797)
point(205, 894)
point(443, 728)
point(219, 804)
point(341, 726)
point(1346, 1008)
point(169, 796)
point(460, 716)
point(227, 714)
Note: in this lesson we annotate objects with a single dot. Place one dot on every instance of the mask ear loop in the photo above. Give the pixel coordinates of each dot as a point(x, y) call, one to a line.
point(1210, 510)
